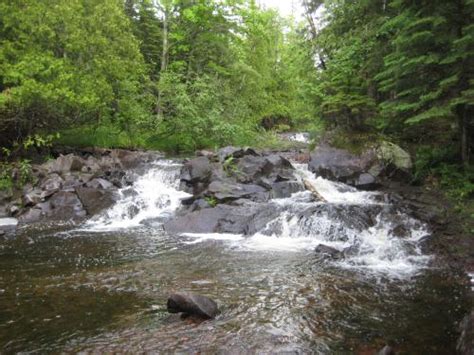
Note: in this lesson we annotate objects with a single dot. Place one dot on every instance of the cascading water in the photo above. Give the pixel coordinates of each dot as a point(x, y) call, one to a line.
point(351, 221)
point(154, 195)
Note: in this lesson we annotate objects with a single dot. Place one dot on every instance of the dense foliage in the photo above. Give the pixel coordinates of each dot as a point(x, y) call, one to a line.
point(403, 68)
point(171, 74)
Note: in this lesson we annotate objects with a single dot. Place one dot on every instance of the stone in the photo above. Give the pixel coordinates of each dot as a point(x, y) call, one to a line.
point(31, 215)
point(392, 154)
point(251, 169)
point(283, 189)
point(205, 153)
point(99, 183)
point(247, 218)
point(65, 164)
point(365, 181)
point(338, 164)
point(326, 251)
point(66, 205)
point(32, 198)
point(196, 170)
point(225, 191)
point(366, 170)
point(95, 200)
point(192, 304)
point(51, 184)
point(234, 152)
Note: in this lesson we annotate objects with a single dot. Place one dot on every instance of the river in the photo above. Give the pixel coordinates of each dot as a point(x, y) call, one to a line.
point(102, 285)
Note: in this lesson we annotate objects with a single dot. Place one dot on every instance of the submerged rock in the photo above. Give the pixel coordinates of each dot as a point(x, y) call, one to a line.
point(326, 251)
point(192, 304)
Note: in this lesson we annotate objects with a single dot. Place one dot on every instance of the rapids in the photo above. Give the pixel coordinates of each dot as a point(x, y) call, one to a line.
point(101, 286)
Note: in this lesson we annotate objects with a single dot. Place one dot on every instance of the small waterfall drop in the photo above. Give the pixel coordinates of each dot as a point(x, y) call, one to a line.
point(352, 222)
point(154, 195)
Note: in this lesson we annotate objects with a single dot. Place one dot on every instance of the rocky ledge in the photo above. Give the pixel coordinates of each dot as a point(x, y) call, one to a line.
point(73, 186)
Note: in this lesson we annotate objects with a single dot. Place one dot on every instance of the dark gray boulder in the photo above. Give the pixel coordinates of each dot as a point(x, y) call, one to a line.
point(196, 170)
point(32, 198)
point(283, 189)
point(95, 200)
point(65, 164)
point(339, 164)
point(192, 304)
point(264, 169)
point(367, 170)
point(224, 191)
point(325, 251)
point(246, 218)
point(99, 183)
point(66, 205)
point(234, 152)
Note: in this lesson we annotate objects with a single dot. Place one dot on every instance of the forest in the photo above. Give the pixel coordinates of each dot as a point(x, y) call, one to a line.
point(181, 75)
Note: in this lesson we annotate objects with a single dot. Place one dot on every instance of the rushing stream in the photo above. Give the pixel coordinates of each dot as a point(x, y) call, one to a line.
point(102, 286)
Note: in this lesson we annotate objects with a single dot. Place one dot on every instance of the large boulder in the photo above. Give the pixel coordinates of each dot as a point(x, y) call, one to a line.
point(224, 191)
point(246, 218)
point(51, 184)
point(366, 170)
point(339, 164)
point(95, 200)
point(255, 168)
point(226, 153)
point(65, 164)
point(196, 170)
point(192, 304)
point(326, 252)
point(66, 205)
point(283, 189)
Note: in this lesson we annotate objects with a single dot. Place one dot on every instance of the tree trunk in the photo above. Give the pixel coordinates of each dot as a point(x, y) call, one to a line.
point(164, 56)
point(464, 131)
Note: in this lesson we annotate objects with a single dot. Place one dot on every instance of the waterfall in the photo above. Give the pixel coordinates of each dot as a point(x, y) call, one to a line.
point(353, 222)
point(154, 195)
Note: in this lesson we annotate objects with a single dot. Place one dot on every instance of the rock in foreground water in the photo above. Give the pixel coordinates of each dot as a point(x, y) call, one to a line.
point(192, 304)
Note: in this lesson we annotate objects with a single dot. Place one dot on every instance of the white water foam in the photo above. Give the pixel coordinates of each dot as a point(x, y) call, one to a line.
point(373, 249)
point(335, 192)
point(153, 195)
point(299, 137)
point(299, 227)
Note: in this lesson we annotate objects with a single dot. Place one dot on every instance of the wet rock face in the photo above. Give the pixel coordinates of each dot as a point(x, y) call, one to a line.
point(192, 304)
point(238, 173)
point(364, 171)
point(325, 251)
point(245, 219)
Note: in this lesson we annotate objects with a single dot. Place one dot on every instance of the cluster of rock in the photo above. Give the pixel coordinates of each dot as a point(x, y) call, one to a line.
point(230, 190)
point(72, 186)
